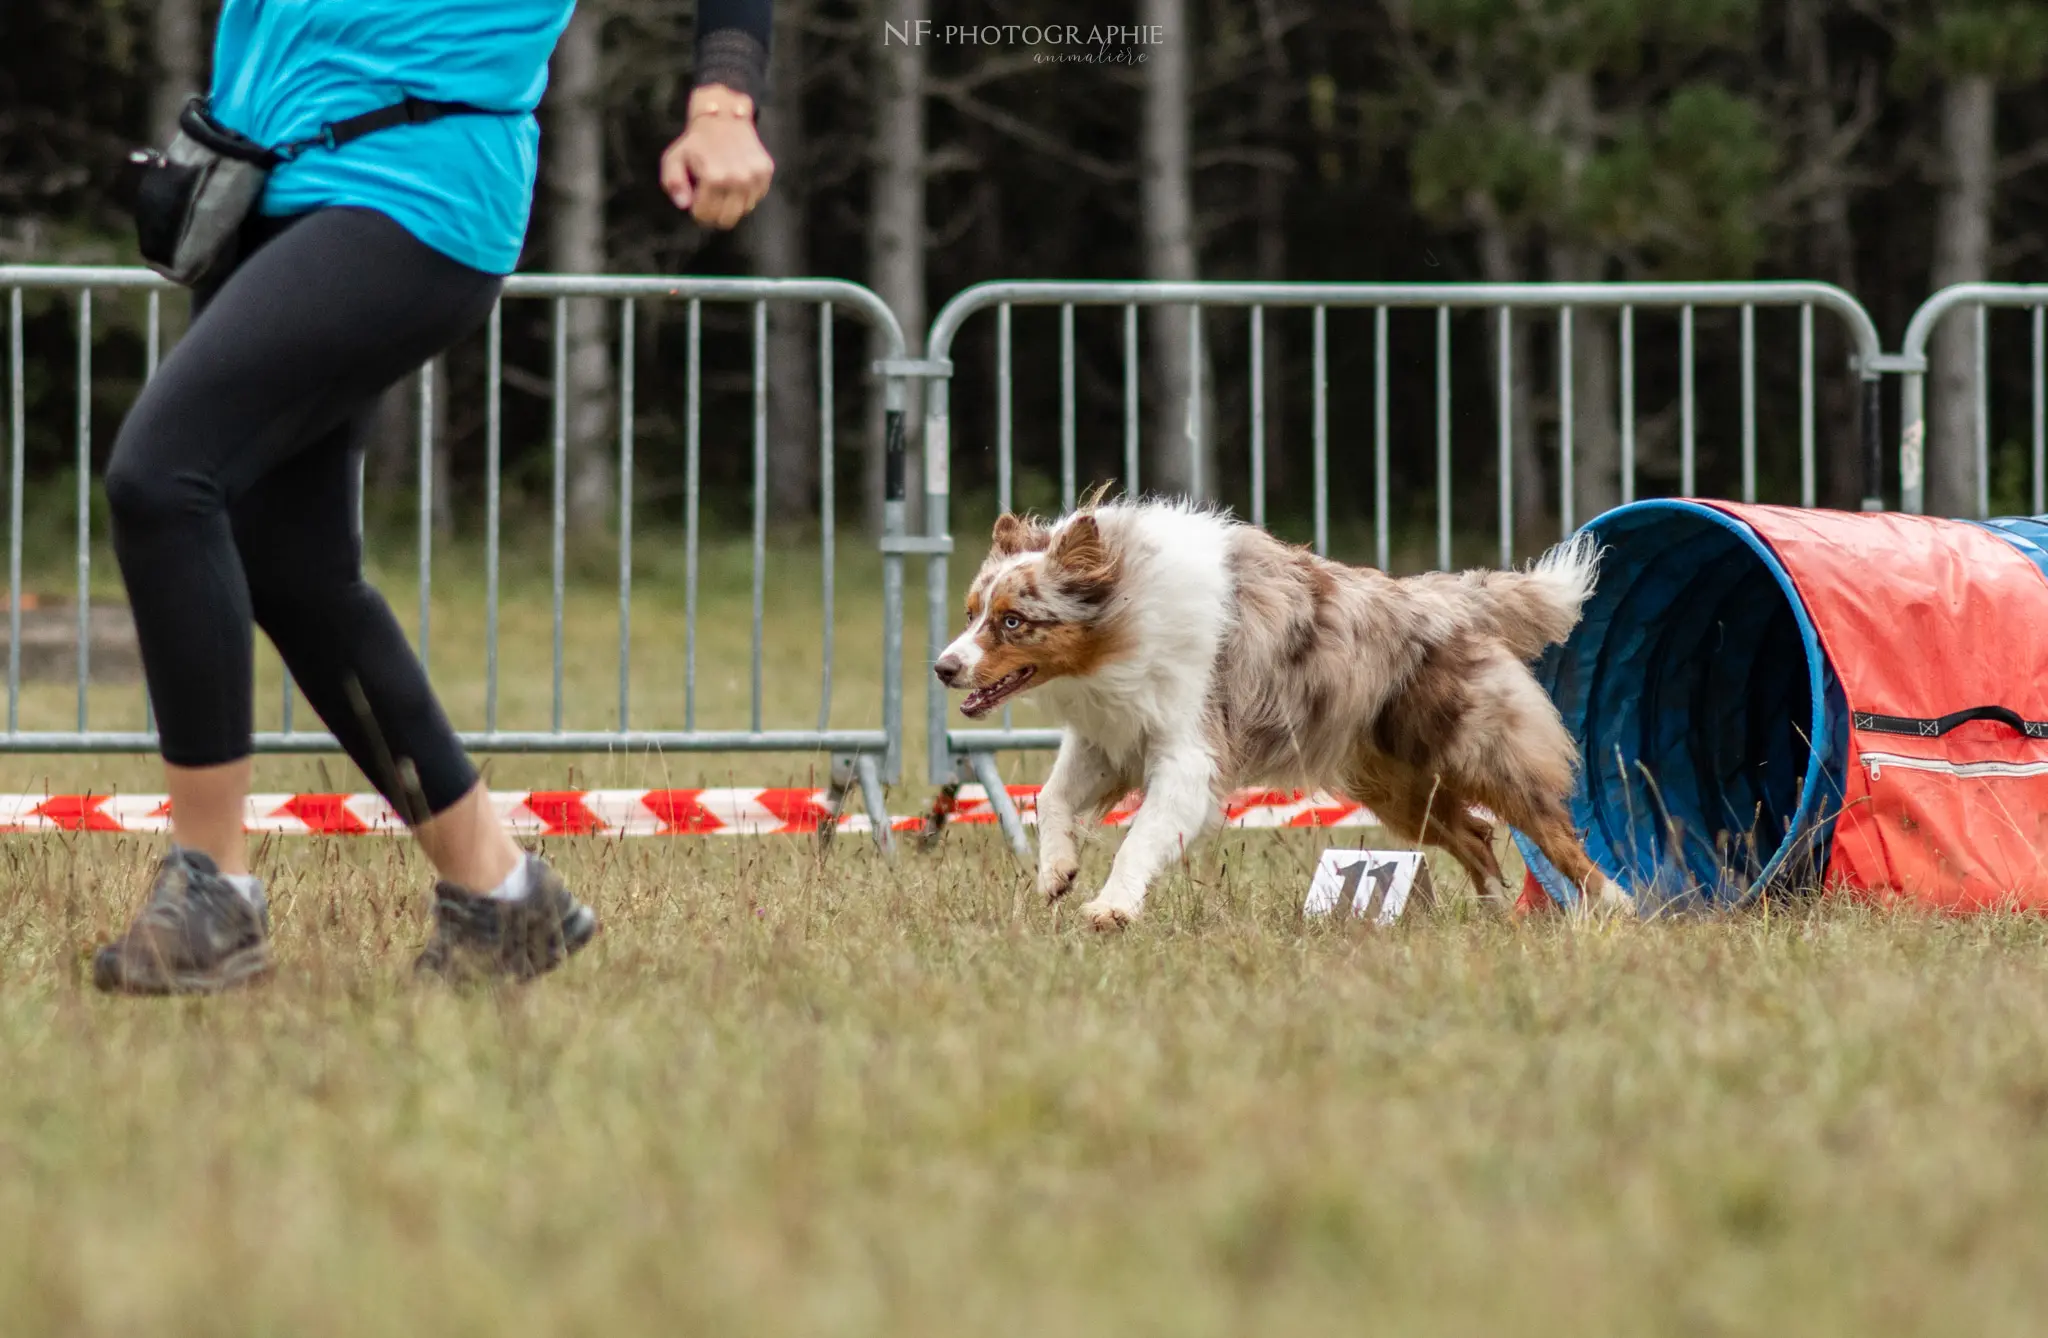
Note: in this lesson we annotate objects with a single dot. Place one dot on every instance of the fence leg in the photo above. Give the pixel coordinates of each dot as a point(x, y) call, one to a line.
point(991, 779)
point(1873, 444)
point(871, 793)
point(843, 779)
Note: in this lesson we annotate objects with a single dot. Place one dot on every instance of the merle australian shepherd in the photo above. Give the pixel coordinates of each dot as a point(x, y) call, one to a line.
point(1186, 654)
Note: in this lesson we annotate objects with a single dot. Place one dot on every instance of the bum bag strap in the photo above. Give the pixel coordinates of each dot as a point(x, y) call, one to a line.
point(196, 120)
point(412, 111)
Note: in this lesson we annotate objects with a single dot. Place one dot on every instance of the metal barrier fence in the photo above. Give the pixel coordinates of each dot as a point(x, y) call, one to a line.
point(870, 758)
point(955, 753)
point(866, 757)
point(1979, 299)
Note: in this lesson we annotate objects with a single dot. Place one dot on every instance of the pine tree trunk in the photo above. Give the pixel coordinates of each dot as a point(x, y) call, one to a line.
point(575, 174)
point(438, 443)
point(775, 237)
point(1838, 407)
point(1596, 387)
point(180, 60)
point(1962, 254)
point(1596, 411)
point(1272, 268)
point(392, 466)
point(1497, 259)
point(390, 447)
point(1596, 438)
point(1167, 203)
point(896, 230)
point(1276, 94)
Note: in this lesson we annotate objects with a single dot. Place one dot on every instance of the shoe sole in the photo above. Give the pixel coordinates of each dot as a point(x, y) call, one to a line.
point(240, 967)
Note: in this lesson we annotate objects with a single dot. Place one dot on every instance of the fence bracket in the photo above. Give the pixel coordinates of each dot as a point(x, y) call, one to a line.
point(931, 546)
point(1890, 364)
point(937, 369)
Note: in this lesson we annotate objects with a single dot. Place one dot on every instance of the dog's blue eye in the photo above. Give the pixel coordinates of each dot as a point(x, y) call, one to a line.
point(1012, 623)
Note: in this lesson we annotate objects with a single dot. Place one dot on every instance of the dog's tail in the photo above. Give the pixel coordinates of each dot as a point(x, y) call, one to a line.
point(1540, 607)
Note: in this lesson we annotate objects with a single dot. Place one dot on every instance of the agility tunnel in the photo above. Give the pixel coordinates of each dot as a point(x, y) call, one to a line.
point(1777, 697)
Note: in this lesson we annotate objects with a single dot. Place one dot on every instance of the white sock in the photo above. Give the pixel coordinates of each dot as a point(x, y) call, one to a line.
point(248, 884)
point(515, 885)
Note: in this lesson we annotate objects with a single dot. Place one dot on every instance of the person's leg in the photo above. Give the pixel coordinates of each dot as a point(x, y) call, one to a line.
point(295, 531)
point(208, 808)
point(311, 327)
point(308, 330)
point(497, 911)
point(469, 844)
point(495, 908)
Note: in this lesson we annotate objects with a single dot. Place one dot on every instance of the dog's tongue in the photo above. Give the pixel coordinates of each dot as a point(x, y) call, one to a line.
point(976, 702)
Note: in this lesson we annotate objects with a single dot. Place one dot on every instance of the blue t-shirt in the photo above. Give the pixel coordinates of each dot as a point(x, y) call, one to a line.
point(463, 184)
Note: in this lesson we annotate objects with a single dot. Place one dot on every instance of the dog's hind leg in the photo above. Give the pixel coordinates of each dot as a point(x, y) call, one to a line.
point(1421, 811)
point(1550, 827)
point(1513, 755)
point(1547, 822)
point(1469, 839)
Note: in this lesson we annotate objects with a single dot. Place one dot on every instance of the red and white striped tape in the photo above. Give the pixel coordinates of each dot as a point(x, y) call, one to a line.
point(617, 812)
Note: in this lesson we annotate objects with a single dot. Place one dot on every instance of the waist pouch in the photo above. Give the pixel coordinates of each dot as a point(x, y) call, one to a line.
point(192, 198)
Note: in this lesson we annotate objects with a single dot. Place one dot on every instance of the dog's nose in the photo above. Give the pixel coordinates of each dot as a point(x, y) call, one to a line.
point(947, 668)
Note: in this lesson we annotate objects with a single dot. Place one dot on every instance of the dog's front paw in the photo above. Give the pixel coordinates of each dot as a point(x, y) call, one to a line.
point(1105, 916)
point(1056, 878)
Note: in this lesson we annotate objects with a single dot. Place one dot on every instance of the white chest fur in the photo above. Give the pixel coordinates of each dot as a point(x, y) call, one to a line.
point(1173, 606)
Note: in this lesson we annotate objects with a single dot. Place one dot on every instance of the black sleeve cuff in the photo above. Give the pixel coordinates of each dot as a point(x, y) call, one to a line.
point(735, 59)
point(732, 45)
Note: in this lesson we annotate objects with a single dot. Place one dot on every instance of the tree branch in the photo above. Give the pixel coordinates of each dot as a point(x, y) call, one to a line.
point(951, 158)
point(1243, 155)
point(2026, 160)
point(1028, 135)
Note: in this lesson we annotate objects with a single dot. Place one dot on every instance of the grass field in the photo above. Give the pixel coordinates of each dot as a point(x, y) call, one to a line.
point(788, 1097)
point(790, 1093)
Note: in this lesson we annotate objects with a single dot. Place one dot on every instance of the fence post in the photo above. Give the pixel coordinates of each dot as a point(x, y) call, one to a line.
point(1873, 440)
point(938, 487)
point(894, 494)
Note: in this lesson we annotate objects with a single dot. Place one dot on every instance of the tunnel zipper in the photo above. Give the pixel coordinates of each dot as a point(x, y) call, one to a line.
point(1877, 762)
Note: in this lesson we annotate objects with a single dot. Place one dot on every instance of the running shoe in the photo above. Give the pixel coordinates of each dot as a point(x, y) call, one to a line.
point(519, 937)
point(198, 934)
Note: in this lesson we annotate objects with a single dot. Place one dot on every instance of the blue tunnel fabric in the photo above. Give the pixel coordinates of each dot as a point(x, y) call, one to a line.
point(2029, 534)
point(1713, 731)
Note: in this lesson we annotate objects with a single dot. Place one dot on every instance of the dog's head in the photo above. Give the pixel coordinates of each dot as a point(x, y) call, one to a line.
point(1036, 611)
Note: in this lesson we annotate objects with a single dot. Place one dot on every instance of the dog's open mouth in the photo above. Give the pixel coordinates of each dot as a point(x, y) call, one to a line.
point(983, 700)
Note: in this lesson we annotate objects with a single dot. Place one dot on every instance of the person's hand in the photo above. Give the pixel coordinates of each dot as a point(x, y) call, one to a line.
point(717, 168)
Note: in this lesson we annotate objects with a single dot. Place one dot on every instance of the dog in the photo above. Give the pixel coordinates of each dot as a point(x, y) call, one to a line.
point(1186, 654)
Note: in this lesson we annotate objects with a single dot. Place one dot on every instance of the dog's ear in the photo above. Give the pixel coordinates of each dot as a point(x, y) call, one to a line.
point(1078, 542)
point(1081, 564)
point(1014, 534)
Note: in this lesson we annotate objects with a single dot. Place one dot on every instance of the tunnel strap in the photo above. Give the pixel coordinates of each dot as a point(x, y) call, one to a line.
point(1923, 728)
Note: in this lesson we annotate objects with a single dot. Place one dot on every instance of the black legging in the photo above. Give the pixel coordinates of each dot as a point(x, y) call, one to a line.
point(233, 492)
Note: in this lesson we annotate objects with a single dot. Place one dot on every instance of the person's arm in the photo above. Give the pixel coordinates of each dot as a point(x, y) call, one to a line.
point(717, 168)
point(732, 45)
